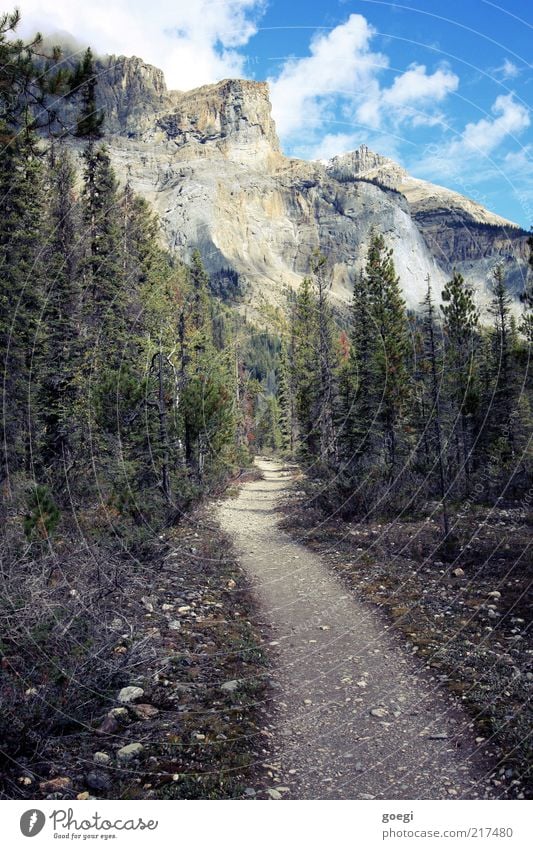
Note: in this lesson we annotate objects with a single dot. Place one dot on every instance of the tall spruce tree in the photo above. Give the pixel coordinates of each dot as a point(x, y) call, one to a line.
point(461, 320)
point(434, 374)
point(357, 388)
point(61, 325)
point(325, 407)
point(21, 290)
point(502, 404)
point(389, 357)
point(304, 368)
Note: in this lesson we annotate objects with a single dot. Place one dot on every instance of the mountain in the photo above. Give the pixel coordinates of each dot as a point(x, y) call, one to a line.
point(210, 162)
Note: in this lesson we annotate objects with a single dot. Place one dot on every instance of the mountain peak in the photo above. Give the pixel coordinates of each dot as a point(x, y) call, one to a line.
point(363, 163)
point(232, 117)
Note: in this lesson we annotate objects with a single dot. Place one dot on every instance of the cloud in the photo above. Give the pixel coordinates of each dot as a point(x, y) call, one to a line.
point(341, 74)
point(480, 153)
point(194, 42)
point(488, 133)
point(332, 144)
point(416, 86)
point(507, 71)
point(340, 64)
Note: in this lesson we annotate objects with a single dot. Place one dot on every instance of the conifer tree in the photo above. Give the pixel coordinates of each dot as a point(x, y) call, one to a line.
point(503, 400)
point(21, 238)
point(357, 388)
point(285, 400)
point(434, 358)
point(305, 373)
point(388, 363)
point(326, 400)
point(461, 319)
point(208, 383)
point(60, 343)
point(90, 120)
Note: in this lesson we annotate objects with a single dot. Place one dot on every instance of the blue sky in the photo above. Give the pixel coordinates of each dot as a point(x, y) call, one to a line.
point(442, 86)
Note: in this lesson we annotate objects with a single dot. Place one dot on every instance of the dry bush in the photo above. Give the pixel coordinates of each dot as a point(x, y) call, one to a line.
point(61, 628)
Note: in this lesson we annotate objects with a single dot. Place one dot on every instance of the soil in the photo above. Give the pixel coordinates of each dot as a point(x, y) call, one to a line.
point(354, 714)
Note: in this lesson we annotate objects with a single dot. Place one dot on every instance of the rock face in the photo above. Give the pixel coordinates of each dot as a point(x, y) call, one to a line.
point(210, 162)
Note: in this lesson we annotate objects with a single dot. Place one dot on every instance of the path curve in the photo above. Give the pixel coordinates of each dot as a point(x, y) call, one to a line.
point(355, 715)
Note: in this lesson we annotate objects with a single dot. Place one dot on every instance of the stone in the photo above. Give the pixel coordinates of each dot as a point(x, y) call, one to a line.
point(97, 780)
point(101, 758)
point(274, 794)
point(120, 714)
point(459, 573)
point(143, 711)
point(130, 752)
point(495, 594)
point(379, 712)
point(108, 726)
point(130, 694)
point(174, 625)
point(229, 686)
point(55, 785)
point(250, 792)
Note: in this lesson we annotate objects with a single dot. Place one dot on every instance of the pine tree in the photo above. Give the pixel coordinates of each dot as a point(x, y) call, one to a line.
point(285, 401)
point(326, 400)
point(60, 343)
point(461, 319)
point(526, 321)
point(503, 401)
point(304, 367)
point(357, 389)
point(434, 358)
point(388, 363)
point(90, 120)
point(21, 280)
point(209, 384)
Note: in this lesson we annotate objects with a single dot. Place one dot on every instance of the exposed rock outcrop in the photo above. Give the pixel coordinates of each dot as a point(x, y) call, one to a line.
point(210, 162)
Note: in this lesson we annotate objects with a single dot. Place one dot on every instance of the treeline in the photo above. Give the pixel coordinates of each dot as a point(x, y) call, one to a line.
point(125, 401)
point(400, 410)
point(119, 390)
point(116, 391)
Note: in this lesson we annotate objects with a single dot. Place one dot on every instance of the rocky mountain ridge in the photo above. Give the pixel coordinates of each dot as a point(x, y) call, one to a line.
point(211, 163)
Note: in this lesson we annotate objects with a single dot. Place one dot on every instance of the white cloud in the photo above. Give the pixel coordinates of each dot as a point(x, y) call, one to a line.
point(411, 98)
point(194, 42)
point(341, 74)
point(507, 71)
point(480, 153)
point(416, 86)
point(332, 144)
point(340, 64)
point(488, 133)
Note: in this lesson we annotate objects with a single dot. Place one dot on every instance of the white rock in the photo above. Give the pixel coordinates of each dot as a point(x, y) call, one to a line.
point(130, 694)
point(229, 686)
point(130, 752)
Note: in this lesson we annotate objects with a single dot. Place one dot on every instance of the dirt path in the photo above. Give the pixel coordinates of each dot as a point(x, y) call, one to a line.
point(357, 716)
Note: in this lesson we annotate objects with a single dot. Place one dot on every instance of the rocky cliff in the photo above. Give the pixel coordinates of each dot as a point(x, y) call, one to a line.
point(210, 162)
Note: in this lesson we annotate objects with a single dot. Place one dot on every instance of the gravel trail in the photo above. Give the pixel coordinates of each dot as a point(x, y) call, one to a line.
point(355, 715)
